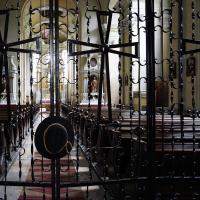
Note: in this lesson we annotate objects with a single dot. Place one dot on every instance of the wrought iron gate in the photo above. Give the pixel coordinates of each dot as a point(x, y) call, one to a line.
point(146, 146)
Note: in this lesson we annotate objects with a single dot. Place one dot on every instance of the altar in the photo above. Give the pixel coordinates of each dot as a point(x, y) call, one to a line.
point(91, 83)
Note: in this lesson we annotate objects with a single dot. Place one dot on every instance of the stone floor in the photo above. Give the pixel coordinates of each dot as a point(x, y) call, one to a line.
point(94, 192)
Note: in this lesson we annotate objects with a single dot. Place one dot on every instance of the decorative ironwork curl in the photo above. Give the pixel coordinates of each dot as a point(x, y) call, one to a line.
point(142, 27)
point(71, 31)
point(145, 78)
point(139, 18)
point(167, 60)
point(72, 83)
point(161, 28)
point(88, 18)
point(141, 64)
point(44, 77)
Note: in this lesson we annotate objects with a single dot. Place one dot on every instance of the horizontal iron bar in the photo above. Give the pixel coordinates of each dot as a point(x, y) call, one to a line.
point(123, 53)
point(191, 41)
point(78, 53)
point(104, 12)
point(123, 45)
point(3, 12)
point(191, 51)
point(22, 42)
point(104, 183)
point(72, 184)
point(25, 183)
point(24, 50)
point(84, 43)
point(163, 179)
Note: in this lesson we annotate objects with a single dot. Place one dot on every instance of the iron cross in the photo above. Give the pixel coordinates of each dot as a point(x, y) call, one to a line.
point(5, 47)
point(104, 48)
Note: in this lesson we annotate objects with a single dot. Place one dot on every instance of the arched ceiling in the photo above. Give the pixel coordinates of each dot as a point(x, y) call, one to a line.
point(40, 17)
point(40, 20)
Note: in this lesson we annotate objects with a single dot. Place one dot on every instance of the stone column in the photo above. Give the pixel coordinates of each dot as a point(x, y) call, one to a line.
point(13, 79)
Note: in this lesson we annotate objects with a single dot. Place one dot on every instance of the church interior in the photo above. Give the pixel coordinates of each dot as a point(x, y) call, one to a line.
point(99, 99)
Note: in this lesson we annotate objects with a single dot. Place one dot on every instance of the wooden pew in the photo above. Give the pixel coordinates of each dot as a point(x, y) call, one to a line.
point(172, 136)
point(14, 131)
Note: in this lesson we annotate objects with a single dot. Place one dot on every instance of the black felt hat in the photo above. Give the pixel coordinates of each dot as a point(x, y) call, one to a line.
point(54, 137)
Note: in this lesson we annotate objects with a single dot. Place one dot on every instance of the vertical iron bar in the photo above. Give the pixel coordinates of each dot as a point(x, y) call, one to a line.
point(77, 58)
point(100, 88)
point(193, 91)
point(108, 87)
point(77, 91)
point(150, 57)
point(41, 76)
point(20, 166)
point(6, 27)
point(100, 27)
point(51, 37)
point(53, 194)
point(24, 193)
point(139, 66)
point(51, 49)
point(31, 117)
point(119, 63)
point(57, 70)
point(31, 94)
point(138, 164)
point(7, 90)
point(89, 98)
point(162, 75)
point(171, 71)
point(19, 74)
point(88, 58)
point(181, 84)
point(57, 182)
point(57, 85)
point(133, 156)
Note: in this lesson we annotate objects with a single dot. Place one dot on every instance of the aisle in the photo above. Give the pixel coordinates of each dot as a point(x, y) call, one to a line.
point(14, 193)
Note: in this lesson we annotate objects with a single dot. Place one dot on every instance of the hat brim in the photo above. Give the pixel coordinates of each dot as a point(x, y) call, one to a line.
point(39, 136)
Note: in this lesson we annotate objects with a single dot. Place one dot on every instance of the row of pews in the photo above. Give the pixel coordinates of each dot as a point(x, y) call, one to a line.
point(13, 132)
point(120, 148)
